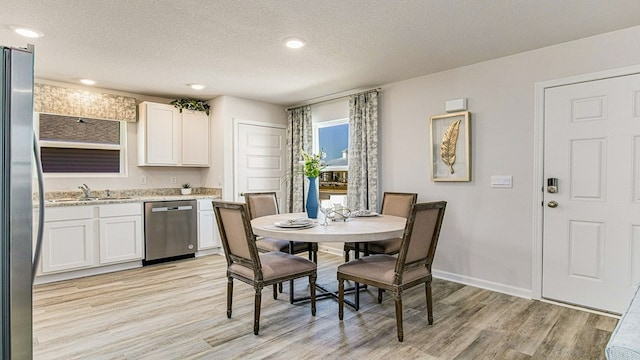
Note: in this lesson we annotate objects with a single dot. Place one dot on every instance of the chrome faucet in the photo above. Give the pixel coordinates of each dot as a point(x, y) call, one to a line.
point(86, 190)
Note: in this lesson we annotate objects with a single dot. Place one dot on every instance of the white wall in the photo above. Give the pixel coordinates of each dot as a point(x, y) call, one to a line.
point(487, 233)
point(157, 177)
point(226, 109)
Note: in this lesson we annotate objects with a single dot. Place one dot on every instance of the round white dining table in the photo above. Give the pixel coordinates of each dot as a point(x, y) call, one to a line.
point(357, 229)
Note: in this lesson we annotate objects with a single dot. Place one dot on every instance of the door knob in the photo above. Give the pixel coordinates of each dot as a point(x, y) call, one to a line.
point(552, 204)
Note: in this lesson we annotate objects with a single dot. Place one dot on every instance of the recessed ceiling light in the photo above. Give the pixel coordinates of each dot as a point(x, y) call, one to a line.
point(87, 81)
point(27, 32)
point(197, 86)
point(295, 43)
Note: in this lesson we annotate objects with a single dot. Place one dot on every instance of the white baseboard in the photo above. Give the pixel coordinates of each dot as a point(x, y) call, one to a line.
point(44, 279)
point(483, 284)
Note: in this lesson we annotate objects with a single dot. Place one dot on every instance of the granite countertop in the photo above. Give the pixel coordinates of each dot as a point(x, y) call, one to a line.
point(64, 198)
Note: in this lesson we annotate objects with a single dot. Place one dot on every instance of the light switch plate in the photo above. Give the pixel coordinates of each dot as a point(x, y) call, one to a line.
point(501, 181)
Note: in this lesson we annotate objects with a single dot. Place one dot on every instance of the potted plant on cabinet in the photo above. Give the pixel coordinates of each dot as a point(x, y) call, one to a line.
point(191, 104)
point(186, 189)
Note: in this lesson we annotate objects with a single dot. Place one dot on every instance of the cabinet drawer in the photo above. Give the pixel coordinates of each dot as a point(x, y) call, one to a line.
point(68, 213)
point(112, 210)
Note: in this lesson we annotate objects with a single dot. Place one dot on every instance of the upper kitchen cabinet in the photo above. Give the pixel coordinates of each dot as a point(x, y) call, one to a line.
point(167, 137)
point(195, 138)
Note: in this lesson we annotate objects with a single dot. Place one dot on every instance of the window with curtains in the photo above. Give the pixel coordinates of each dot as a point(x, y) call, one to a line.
point(71, 144)
point(332, 137)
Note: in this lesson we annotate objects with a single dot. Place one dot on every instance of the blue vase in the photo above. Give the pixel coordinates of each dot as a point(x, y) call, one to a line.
point(312, 199)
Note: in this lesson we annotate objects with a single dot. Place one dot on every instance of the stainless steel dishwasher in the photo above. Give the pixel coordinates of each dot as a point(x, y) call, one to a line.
point(170, 230)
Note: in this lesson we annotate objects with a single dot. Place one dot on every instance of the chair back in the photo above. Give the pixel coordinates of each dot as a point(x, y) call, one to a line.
point(420, 236)
point(261, 204)
point(236, 234)
point(398, 204)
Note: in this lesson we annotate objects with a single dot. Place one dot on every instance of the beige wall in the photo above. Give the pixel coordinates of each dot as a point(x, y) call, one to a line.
point(487, 236)
point(225, 110)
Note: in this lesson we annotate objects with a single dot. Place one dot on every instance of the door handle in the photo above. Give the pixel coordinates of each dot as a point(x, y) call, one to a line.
point(552, 204)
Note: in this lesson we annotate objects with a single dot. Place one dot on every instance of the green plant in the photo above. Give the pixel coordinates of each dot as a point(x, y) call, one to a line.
point(186, 186)
point(313, 163)
point(191, 104)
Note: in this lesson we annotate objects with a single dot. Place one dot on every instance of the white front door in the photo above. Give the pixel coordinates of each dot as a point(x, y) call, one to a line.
point(260, 160)
point(591, 236)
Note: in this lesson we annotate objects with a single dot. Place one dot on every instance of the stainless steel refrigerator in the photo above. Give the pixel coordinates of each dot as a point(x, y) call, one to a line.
point(16, 209)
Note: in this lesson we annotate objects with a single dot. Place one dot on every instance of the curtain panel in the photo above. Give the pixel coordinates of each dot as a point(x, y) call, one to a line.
point(299, 137)
point(362, 191)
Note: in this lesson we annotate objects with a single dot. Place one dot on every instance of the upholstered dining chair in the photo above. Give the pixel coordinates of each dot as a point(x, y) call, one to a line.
point(266, 203)
point(393, 203)
point(411, 267)
point(256, 269)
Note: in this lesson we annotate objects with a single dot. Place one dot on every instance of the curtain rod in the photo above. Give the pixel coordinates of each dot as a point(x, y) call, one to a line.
point(334, 98)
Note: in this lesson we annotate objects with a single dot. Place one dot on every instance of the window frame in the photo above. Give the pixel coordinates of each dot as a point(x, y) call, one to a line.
point(316, 140)
point(122, 147)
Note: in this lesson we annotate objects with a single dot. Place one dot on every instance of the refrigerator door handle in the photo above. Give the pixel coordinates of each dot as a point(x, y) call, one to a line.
point(36, 255)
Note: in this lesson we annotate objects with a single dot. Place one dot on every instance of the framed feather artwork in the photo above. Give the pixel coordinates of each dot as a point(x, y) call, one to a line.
point(451, 147)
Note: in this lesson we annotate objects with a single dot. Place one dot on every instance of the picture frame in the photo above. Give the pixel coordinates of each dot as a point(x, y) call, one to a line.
point(450, 139)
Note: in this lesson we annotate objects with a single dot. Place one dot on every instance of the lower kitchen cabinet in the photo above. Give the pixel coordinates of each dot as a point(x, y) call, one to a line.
point(120, 236)
point(67, 245)
point(208, 235)
point(82, 237)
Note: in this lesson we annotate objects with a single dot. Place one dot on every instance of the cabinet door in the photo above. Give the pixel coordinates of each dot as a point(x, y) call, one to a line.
point(195, 138)
point(120, 239)
point(159, 136)
point(208, 235)
point(67, 245)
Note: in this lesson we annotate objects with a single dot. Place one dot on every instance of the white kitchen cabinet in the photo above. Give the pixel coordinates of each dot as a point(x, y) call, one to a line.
point(195, 138)
point(208, 235)
point(158, 135)
point(167, 137)
point(85, 237)
point(67, 242)
point(120, 234)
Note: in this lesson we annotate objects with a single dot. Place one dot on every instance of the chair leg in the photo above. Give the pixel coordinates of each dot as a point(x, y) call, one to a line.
point(256, 311)
point(346, 256)
point(291, 291)
point(229, 295)
point(380, 291)
point(275, 291)
point(398, 297)
point(427, 287)
point(280, 288)
point(340, 298)
point(312, 293)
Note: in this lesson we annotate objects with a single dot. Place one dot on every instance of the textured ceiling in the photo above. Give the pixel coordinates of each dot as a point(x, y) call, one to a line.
point(235, 46)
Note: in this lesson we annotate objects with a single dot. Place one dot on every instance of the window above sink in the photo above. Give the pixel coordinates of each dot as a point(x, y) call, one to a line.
point(81, 146)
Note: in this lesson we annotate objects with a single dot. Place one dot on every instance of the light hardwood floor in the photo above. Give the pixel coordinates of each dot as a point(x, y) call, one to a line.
point(178, 311)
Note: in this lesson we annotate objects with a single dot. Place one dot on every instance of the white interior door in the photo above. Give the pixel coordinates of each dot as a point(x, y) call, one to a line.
point(260, 160)
point(591, 239)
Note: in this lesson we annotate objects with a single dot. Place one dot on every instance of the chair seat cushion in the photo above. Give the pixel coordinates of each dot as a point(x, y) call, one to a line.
point(379, 268)
point(276, 265)
point(389, 246)
point(265, 244)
